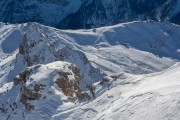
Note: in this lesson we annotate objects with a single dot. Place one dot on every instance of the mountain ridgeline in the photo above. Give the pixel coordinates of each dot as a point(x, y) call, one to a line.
point(77, 14)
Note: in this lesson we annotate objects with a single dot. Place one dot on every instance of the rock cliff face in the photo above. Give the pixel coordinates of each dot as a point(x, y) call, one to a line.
point(75, 14)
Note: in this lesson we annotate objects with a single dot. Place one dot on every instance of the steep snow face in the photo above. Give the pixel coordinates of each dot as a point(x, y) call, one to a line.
point(75, 14)
point(10, 37)
point(37, 89)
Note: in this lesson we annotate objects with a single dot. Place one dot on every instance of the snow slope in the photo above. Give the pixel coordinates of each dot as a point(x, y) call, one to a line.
point(110, 48)
point(151, 97)
point(131, 97)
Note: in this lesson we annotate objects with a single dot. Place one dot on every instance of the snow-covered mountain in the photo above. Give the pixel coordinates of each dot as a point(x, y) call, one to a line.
point(75, 14)
point(103, 73)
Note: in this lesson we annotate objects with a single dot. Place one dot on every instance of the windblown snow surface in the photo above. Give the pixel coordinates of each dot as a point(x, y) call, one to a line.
point(150, 91)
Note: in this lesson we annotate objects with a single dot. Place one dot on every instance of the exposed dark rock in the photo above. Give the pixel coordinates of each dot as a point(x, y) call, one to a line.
point(70, 88)
point(84, 96)
point(16, 81)
point(29, 106)
point(23, 75)
point(38, 87)
point(104, 80)
point(29, 95)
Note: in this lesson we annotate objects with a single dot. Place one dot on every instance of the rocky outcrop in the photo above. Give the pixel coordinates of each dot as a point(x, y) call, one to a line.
point(35, 85)
point(26, 93)
point(21, 77)
point(70, 89)
point(38, 87)
point(29, 95)
point(35, 47)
